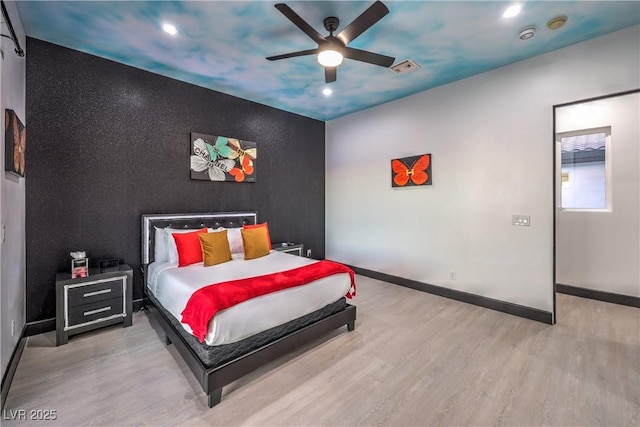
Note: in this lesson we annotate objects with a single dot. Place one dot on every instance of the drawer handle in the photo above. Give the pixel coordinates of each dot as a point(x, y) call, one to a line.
point(90, 294)
point(98, 310)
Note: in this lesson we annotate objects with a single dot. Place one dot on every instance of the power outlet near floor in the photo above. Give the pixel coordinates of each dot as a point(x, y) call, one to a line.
point(308, 253)
point(13, 327)
point(452, 275)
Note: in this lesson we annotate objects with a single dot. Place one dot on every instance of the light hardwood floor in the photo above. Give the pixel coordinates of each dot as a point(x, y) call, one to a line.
point(414, 359)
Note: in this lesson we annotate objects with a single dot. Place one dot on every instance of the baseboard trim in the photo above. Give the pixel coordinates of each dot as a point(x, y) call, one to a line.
point(12, 367)
point(599, 295)
point(40, 327)
point(138, 304)
point(490, 303)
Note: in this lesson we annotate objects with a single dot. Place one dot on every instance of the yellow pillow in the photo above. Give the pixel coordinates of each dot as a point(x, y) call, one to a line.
point(256, 242)
point(215, 248)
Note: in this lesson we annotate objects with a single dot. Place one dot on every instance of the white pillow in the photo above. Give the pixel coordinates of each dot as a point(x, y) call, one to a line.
point(160, 253)
point(234, 235)
point(172, 250)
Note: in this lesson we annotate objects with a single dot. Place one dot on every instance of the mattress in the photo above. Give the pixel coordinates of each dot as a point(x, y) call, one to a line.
point(214, 356)
point(172, 287)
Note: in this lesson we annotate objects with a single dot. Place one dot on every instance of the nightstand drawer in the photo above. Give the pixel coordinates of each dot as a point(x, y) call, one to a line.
point(94, 311)
point(97, 291)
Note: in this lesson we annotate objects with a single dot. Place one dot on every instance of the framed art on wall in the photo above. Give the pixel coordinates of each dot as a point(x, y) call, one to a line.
point(219, 158)
point(411, 171)
point(15, 138)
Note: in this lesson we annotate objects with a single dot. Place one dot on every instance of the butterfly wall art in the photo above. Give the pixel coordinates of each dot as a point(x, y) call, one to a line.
point(411, 171)
point(15, 140)
point(219, 158)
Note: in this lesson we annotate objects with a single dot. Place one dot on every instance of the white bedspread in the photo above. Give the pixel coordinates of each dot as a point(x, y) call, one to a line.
point(173, 286)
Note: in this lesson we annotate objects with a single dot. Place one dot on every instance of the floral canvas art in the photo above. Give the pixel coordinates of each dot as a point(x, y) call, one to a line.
point(219, 158)
point(15, 139)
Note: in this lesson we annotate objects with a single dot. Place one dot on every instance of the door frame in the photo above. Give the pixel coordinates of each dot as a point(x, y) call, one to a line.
point(554, 182)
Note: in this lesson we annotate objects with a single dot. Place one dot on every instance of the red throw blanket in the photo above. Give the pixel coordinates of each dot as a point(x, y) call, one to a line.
point(207, 301)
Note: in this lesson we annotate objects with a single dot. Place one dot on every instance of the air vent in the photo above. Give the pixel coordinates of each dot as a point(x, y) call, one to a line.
point(405, 67)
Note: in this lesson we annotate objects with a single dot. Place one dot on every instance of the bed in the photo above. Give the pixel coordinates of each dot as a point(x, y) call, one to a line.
point(235, 346)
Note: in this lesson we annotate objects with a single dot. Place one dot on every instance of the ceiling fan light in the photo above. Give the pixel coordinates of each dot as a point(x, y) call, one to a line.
point(330, 58)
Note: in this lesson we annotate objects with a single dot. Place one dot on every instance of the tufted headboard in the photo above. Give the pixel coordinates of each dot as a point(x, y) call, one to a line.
point(188, 220)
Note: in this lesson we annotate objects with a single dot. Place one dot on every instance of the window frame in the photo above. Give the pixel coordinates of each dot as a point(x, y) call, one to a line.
point(608, 174)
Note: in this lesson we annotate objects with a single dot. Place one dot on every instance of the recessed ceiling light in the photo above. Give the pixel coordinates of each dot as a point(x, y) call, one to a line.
point(170, 29)
point(327, 91)
point(512, 11)
point(556, 22)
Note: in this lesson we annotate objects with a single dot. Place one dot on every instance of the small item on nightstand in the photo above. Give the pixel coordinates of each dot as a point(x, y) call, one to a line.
point(108, 265)
point(284, 245)
point(79, 264)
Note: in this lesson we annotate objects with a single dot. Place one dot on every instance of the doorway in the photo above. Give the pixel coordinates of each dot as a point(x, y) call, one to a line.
point(597, 198)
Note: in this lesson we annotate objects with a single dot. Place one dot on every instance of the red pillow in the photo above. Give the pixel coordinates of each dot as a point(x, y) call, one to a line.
point(264, 224)
point(189, 247)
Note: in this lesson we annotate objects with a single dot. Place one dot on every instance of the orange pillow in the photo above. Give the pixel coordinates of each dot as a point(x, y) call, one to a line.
point(264, 224)
point(255, 241)
point(188, 246)
point(215, 248)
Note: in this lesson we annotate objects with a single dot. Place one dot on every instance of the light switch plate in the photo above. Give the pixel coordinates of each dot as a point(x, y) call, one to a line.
point(521, 220)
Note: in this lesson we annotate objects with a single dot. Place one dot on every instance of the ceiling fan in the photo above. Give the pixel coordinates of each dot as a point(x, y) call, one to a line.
point(332, 49)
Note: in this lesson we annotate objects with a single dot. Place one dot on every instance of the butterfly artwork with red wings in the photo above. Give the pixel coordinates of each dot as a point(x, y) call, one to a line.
point(246, 168)
point(411, 171)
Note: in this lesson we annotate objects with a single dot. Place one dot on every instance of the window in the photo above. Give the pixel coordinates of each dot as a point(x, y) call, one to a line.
point(585, 169)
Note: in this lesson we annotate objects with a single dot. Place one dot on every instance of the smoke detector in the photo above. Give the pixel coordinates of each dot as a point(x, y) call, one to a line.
point(405, 67)
point(527, 32)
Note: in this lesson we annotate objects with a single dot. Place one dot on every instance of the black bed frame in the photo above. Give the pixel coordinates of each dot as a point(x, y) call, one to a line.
point(213, 379)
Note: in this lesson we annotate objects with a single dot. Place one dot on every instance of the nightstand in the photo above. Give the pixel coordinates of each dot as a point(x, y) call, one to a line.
point(87, 303)
point(292, 248)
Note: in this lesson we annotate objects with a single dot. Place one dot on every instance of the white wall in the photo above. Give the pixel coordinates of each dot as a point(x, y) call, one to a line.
point(601, 250)
point(491, 137)
point(12, 197)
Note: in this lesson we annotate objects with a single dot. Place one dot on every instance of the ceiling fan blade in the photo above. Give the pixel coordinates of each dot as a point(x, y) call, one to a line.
point(293, 54)
point(362, 23)
point(368, 57)
point(300, 23)
point(330, 74)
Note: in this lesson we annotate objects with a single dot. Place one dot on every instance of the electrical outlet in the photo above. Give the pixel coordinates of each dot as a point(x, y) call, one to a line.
point(4, 233)
point(13, 327)
point(452, 275)
point(308, 253)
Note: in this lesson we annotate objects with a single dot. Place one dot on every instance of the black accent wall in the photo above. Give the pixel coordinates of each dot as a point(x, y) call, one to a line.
point(107, 143)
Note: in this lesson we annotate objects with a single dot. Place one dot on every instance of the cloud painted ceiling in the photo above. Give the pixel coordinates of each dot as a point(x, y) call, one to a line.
point(222, 45)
